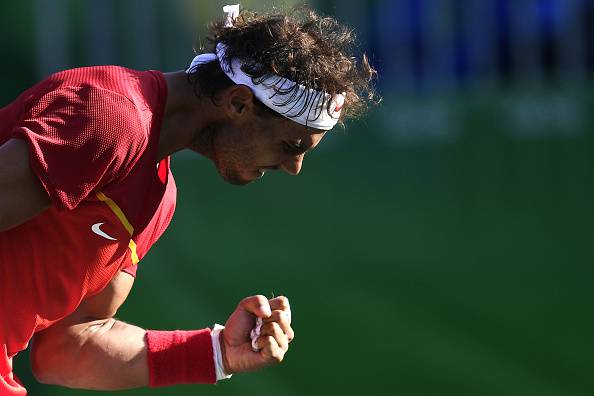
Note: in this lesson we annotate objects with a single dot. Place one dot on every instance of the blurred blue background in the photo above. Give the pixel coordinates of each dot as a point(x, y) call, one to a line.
point(440, 246)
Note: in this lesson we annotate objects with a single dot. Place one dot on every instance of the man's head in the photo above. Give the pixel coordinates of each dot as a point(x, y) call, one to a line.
point(313, 54)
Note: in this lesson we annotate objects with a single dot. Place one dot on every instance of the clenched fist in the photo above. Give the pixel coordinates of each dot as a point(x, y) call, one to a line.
point(275, 334)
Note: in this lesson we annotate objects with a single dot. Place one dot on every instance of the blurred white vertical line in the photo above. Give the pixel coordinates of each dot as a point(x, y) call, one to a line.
point(100, 33)
point(52, 50)
point(143, 30)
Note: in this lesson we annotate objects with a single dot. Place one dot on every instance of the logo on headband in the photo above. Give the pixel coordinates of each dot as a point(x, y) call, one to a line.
point(338, 103)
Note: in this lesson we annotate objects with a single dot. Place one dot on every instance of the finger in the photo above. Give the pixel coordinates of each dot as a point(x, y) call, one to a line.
point(256, 305)
point(280, 302)
point(270, 350)
point(274, 330)
point(282, 318)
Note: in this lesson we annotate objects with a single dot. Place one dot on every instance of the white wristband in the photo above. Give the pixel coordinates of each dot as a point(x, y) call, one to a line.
point(217, 355)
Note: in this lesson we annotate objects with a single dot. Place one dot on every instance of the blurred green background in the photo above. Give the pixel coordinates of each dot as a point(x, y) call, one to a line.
point(441, 246)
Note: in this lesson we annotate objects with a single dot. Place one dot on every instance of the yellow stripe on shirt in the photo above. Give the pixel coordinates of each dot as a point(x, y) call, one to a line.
point(116, 210)
point(132, 246)
point(122, 217)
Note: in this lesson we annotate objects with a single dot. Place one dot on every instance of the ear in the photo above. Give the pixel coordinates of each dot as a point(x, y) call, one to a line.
point(239, 101)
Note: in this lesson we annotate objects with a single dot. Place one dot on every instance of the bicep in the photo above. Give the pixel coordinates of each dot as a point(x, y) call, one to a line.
point(97, 309)
point(92, 313)
point(22, 195)
point(89, 349)
point(106, 303)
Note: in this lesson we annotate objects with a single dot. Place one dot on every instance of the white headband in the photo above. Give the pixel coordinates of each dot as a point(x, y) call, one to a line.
point(295, 101)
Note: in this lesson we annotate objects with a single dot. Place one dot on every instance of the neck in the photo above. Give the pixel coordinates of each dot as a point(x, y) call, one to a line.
point(186, 119)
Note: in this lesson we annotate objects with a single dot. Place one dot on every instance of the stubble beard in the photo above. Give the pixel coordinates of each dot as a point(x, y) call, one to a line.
point(230, 163)
point(228, 166)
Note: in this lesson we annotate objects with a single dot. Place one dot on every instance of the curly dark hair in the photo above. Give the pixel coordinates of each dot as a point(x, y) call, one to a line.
point(300, 45)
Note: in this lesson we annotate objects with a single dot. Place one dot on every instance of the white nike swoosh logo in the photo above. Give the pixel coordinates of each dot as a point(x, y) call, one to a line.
point(97, 230)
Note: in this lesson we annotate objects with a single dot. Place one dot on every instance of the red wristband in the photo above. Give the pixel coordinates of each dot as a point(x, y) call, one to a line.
point(180, 357)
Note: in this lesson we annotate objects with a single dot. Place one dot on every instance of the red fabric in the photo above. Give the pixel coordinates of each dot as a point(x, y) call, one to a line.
point(79, 118)
point(180, 357)
point(91, 129)
point(9, 383)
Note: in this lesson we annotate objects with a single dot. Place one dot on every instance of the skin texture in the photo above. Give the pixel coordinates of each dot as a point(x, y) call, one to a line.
point(241, 143)
point(92, 350)
point(276, 334)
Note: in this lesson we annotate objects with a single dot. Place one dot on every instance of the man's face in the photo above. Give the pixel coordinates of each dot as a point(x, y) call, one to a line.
point(243, 153)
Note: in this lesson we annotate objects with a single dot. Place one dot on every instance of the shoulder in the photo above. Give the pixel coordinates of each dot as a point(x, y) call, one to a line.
point(95, 102)
point(99, 118)
point(86, 118)
point(143, 89)
point(113, 99)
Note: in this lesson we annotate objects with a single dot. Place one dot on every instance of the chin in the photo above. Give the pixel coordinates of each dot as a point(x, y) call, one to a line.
point(238, 182)
point(235, 178)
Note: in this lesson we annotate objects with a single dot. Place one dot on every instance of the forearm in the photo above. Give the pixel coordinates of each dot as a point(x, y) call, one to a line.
point(110, 355)
point(100, 355)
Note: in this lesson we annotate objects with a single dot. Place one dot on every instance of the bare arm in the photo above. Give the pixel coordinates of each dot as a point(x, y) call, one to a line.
point(90, 349)
point(22, 196)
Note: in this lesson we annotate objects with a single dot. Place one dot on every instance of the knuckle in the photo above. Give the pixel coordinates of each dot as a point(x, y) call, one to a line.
point(267, 328)
point(284, 302)
point(286, 316)
point(284, 344)
point(260, 299)
point(280, 317)
point(276, 328)
point(273, 329)
point(268, 342)
point(277, 315)
point(253, 301)
point(277, 356)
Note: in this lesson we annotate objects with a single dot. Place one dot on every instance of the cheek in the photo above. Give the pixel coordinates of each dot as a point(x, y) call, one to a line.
point(233, 150)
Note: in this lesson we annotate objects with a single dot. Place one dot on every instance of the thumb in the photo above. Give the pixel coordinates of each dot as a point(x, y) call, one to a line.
point(256, 305)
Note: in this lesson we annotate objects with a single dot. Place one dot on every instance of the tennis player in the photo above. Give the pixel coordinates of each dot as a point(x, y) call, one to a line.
point(86, 190)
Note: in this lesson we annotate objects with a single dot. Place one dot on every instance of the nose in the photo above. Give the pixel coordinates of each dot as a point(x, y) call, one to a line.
point(293, 165)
